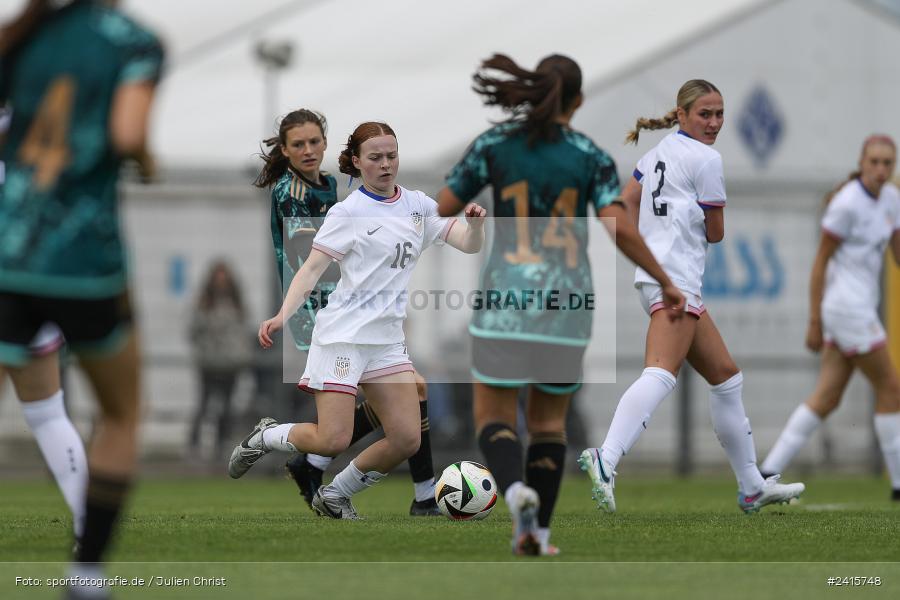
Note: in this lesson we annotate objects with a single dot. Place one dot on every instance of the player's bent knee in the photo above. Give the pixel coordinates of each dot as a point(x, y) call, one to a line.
point(334, 446)
point(407, 443)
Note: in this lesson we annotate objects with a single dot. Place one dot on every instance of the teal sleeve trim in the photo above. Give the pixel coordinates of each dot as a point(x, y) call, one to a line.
point(14, 355)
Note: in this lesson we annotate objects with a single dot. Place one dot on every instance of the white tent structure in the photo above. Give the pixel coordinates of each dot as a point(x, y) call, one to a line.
point(406, 62)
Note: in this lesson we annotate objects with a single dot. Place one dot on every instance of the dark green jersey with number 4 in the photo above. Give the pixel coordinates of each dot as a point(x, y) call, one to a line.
point(298, 210)
point(536, 284)
point(58, 206)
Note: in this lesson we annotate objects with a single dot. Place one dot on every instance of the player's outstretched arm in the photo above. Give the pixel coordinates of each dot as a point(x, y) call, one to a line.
point(471, 239)
point(448, 203)
point(827, 247)
point(632, 245)
point(301, 286)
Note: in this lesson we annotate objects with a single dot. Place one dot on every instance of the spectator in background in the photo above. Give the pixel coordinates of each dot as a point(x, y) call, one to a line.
point(221, 343)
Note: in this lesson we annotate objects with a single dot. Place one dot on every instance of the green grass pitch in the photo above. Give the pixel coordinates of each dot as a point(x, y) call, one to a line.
point(670, 538)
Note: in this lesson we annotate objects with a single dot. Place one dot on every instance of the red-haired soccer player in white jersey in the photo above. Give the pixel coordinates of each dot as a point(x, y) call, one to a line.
point(377, 235)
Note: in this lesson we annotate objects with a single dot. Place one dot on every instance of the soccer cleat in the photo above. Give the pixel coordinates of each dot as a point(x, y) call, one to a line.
point(424, 508)
point(337, 507)
point(549, 550)
point(307, 477)
point(524, 510)
point(895, 494)
point(603, 480)
point(772, 492)
point(77, 593)
point(246, 453)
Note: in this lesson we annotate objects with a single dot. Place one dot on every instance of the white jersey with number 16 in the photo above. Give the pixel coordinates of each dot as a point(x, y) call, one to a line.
point(377, 242)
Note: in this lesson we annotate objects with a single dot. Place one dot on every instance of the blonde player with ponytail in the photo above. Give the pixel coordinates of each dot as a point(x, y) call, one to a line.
point(677, 196)
point(861, 219)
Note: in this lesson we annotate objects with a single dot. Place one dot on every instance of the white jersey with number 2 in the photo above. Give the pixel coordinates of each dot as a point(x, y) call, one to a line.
point(679, 177)
point(378, 242)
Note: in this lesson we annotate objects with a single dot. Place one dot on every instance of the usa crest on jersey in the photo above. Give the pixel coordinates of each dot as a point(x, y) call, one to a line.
point(417, 221)
point(342, 366)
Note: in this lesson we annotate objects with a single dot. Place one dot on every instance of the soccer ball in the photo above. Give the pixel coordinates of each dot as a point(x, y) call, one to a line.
point(466, 491)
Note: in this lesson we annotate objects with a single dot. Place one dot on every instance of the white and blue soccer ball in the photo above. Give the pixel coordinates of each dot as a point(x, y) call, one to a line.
point(466, 491)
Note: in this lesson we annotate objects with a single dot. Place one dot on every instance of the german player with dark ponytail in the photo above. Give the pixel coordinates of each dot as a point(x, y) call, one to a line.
point(540, 169)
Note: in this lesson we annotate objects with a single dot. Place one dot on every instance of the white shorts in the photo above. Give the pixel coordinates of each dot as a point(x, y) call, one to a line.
point(48, 339)
point(341, 367)
point(652, 299)
point(853, 333)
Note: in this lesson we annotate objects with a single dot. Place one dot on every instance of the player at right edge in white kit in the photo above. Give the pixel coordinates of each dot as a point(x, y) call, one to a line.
point(677, 195)
point(861, 220)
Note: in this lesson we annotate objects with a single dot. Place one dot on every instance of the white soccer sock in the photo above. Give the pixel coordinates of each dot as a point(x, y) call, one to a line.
point(276, 438)
point(351, 480)
point(887, 427)
point(318, 461)
point(63, 451)
point(802, 423)
point(91, 574)
point(635, 408)
point(511, 492)
point(733, 429)
point(424, 489)
point(543, 536)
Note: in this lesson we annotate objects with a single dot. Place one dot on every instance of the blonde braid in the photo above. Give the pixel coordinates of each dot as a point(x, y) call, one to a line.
point(666, 122)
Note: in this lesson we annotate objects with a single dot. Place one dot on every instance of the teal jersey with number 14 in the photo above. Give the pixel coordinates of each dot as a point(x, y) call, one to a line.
point(538, 264)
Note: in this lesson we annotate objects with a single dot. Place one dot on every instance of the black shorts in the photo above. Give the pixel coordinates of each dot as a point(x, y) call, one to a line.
point(89, 325)
point(553, 368)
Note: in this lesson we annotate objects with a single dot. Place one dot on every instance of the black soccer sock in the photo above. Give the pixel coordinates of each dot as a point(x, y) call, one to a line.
point(105, 496)
point(544, 470)
point(365, 421)
point(502, 452)
point(298, 462)
point(420, 466)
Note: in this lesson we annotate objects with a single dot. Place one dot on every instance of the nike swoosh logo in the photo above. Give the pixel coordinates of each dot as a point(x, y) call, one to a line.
point(603, 474)
point(374, 230)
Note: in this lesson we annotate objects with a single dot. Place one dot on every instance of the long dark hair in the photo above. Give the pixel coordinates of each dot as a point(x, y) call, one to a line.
point(276, 163)
point(363, 132)
point(14, 34)
point(534, 98)
point(209, 295)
